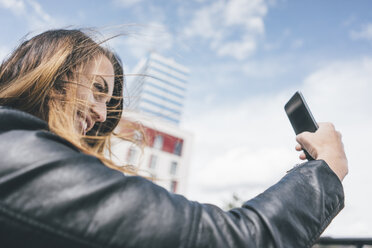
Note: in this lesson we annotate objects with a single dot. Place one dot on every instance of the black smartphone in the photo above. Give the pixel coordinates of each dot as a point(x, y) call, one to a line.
point(300, 116)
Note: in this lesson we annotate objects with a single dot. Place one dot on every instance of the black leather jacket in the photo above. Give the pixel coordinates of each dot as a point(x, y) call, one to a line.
point(52, 195)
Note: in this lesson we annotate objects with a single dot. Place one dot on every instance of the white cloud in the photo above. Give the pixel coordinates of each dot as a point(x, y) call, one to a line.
point(247, 147)
point(248, 13)
point(40, 13)
point(127, 3)
point(205, 22)
point(152, 37)
point(297, 43)
point(144, 11)
point(238, 49)
point(16, 6)
point(250, 143)
point(30, 10)
point(278, 41)
point(218, 24)
point(271, 68)
point(350, 21)
point(365, 33)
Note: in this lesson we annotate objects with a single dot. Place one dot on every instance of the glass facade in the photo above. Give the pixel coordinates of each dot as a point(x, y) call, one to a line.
point(159, 88)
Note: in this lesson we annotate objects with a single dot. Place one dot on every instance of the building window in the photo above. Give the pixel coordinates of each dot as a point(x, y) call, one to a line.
point(137, 136)
point(152, 163)
point(173, 168)
point(131, 156)
point(158, 142)
point(177, 148)
point(173, 187)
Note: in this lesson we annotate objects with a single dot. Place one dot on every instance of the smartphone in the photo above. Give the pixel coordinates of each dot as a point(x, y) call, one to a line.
point(300, 116)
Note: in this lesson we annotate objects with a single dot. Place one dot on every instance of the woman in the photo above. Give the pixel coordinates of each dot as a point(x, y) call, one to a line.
point(61, 97)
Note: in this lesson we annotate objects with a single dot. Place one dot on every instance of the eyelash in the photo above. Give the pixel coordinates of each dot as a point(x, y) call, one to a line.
point(99, 87)
point(100, 93)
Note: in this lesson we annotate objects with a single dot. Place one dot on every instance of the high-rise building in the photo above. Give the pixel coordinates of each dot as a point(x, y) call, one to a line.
point(156, 99)
point(164, 159)
point(158, 88)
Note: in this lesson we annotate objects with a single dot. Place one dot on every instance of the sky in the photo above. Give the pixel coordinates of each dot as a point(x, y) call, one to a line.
point(247, 58)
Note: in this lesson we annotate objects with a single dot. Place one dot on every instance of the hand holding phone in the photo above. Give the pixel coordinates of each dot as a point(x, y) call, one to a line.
point(300, 116)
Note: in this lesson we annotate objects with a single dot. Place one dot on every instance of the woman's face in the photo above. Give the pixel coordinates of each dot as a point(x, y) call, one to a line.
point(94, 91)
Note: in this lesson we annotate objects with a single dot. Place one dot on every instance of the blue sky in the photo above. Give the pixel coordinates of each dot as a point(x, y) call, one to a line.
point(246, 58)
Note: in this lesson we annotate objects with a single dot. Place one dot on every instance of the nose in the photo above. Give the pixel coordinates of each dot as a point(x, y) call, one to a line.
point(99, 112)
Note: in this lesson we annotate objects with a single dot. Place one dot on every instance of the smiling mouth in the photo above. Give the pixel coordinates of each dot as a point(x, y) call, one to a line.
point(84, 126)
point(84, 123)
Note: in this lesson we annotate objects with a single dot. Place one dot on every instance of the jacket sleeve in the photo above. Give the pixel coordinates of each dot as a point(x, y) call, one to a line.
point(51, 195)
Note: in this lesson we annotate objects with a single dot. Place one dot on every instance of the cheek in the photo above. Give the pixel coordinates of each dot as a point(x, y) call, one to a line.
point(84, 95)
point(84, 98)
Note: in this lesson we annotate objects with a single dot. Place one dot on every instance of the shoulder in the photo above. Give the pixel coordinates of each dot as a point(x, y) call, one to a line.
point(57, 191)
point(12, 119)
point(25, 138)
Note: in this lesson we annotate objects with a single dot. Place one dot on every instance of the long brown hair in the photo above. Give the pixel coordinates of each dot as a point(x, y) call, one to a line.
point(38, 78)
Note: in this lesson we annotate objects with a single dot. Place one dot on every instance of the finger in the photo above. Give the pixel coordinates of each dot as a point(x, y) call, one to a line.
point(302, 136)
point(298, 147)
point(302, 156)
point(326, 125)
point(304, 139)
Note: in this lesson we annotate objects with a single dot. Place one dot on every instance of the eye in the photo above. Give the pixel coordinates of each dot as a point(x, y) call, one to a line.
point(99, 92)
point(99, 87)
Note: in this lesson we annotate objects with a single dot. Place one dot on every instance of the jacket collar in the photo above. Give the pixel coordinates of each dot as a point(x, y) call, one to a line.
point(11, 119)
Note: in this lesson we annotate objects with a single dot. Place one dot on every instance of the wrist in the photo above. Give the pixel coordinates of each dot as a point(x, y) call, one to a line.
point(338, 164)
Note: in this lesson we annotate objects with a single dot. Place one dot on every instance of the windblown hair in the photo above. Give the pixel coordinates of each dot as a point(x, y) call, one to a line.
point(40, 77)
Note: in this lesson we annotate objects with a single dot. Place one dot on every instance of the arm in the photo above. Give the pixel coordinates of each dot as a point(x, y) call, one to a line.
point(51, 195)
